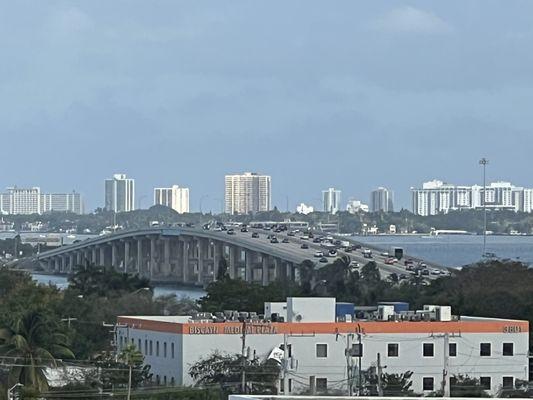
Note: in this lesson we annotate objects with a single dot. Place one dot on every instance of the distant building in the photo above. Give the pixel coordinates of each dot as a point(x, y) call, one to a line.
point(120, 193)
point(304, 209)
point(247, 193)
point(436, 197)
point(62, 202)
point(382, 199)
point(27, 201)
point(331, 200)
point(174, 197)
point(356, 206)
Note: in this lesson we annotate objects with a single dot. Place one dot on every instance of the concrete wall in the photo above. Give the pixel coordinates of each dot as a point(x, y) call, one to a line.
point(311, 309)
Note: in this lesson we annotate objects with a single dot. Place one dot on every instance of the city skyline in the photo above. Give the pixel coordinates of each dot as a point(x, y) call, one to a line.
point(403, 86)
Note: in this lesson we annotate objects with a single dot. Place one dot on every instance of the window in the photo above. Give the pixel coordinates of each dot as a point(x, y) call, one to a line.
point(172, 381)
point(172, 350)
point(165, 349)
point(165, 380)
point(484, 349)
point(157, 348)
point(427, 383)
point(392, 350)
point(484, 381)
point(452, 349)
point(321, 384)
point(139, 345)
point(290, 385)
point(357, 350)
point(145, 347)
point(508, 349)
point(508, 382)
point(151, 347)
point(321, 350)
point(428, 350)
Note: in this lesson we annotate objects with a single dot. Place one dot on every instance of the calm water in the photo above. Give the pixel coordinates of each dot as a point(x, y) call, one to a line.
point(456, 250)
point(61, 282)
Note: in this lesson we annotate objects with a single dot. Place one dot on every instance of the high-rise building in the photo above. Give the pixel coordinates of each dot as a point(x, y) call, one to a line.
point(174, 197)
point(247, 193)
point(22, 201)
point(382, 199)
point(32, 201)
point(331, 200)
point(120, 193)
point(437, 197)
point(62, 202)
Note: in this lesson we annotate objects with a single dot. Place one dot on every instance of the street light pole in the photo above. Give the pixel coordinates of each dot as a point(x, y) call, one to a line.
point(484, 163)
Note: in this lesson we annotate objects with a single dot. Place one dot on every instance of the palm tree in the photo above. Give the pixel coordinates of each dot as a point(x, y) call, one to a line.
point(132, 357)
point(32, 345)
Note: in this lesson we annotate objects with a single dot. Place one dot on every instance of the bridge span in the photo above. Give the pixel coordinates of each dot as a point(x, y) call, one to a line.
point(184, 255)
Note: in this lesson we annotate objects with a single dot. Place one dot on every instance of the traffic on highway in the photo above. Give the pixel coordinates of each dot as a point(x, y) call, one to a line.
point(323, 248)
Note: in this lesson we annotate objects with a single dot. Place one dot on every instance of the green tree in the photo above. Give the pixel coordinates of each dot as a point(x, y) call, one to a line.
point(465, 386)
point(132, 358)
point(225, 370)
point(32, 343)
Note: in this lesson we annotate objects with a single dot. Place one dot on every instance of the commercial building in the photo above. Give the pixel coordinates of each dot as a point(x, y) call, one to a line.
point(174, 197)
point(436, 197)
point(382, 199)
point(324, 342)
point(62, 202)
point(356, 206)
point(247, 193)
point(304, 209)
point(32, 201)
point(331, 200)
point(120, 193)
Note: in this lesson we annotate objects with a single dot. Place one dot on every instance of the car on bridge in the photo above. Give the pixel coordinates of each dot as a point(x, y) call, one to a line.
point(285, 240)
point(304, 246)
point(319, 254)
point(255, 235)
point(274, 240)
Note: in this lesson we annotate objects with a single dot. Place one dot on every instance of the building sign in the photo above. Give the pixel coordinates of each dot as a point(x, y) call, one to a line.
point(215, 329)
point(512, 329)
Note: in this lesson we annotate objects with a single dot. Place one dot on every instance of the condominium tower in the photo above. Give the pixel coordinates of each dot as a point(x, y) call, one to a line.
point(436, 197)
point(331, 200)
point(119, 193)
point(382, 199)
point(174, 197)
point(247, 193)
point(32, 201)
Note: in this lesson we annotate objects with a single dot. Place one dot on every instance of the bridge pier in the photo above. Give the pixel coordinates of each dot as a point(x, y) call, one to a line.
point(126, 256)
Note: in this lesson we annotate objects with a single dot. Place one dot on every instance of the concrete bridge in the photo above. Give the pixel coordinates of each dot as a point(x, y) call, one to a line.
point(184, 255)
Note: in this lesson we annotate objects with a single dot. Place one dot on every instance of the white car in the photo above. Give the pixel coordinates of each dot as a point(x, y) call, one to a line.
point(319, 254)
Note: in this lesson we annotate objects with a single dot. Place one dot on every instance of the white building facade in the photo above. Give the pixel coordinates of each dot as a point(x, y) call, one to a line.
point(247, 193)
point(382, 199)
point(331, 200)
point(32, 201)
point(318, 340)
point(62, 202)
point(356, 206)
point(120, 193)
point(174, 197)
point(436, 197)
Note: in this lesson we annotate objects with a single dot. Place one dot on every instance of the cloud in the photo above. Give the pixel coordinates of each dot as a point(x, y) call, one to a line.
point(411, 20)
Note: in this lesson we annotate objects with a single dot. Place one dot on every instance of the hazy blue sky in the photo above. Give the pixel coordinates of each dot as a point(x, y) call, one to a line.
point(351, 94)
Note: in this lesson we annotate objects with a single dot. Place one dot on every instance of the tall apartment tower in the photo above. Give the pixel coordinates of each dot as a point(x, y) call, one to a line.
point(174, 197)
point(120, 193)
point(247, 193)
point(22, 201)
point(62, 202)
point(382, 199)
point(331, 200)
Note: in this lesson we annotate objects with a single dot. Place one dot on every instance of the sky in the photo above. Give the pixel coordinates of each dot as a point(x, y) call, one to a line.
point(317, 94)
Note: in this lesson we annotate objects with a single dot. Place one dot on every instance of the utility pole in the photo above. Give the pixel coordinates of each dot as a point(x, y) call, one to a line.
point(379, 372)
point(243, 355)
point(285, 366)
point(360, 354)
point(349, 363)
point(484, 163)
